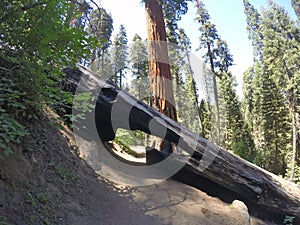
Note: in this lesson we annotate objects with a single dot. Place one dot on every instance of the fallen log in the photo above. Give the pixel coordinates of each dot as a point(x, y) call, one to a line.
point(207, 160)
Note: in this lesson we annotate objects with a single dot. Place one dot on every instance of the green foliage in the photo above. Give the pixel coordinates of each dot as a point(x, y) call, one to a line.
point(289, 220)
point(247, 103)
point(217, 52)
point(10, 132)
point(236, 136)
point(3, 221)
point(100, 28)
point(205, 118)
point(296, 6)
point(185, 90)
point(218, 59)
point(64, 173)
point(187, 102)
point(126, 139)
point(139, 69)
point(42, 202)
point(243, 149)
point(296, 175)
point(36, 42)
point(253, 19)
point(271, 88)
point(119, 56)
point(173, 11)
point(270, 123)
point(130, 138)
point(83, 102)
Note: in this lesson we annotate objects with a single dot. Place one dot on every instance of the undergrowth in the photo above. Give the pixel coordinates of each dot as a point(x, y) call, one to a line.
point(36, 43)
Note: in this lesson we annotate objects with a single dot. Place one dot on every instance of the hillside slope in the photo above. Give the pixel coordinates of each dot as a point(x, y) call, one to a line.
point(45, 182)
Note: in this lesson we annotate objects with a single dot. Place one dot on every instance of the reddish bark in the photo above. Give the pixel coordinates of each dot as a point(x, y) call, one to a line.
point(162, 97)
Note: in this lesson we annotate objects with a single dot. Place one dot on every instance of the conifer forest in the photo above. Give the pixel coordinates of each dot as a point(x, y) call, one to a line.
point(262, 124)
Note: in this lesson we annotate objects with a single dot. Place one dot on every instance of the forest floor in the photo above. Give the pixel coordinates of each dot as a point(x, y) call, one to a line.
point(46, 182)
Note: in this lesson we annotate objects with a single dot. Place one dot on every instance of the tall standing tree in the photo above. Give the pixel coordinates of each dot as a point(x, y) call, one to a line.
point(173, 10)
point(161, 89)
point(217, 56)
point(273, 80)
point(119, 56)
point(247, 102)
point(160, 75)
point(100, 27)
point(140, 73)
point(236, 134)
point(282, 59)
point(139, 68)
point(270, 117)
point(186, 90)
point(253, 19)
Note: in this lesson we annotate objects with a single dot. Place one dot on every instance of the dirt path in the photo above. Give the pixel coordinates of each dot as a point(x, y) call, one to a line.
point(171, 202)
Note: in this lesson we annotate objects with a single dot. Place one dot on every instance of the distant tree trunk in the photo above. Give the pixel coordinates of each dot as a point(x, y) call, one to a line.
point(216, 96)
point(194, 87)
point(294, 125)
point(161, 90)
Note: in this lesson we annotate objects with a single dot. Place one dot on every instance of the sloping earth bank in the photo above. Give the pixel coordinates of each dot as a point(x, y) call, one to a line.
point(45, 182)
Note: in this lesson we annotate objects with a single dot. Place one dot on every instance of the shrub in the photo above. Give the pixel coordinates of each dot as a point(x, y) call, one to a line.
point(36, 42)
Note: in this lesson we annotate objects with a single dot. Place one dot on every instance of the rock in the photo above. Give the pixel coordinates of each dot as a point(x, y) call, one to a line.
point(243, 210)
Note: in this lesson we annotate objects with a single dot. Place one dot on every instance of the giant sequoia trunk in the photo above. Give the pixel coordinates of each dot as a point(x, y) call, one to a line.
point(161, 90)
point(208, 161)
point(160, 76)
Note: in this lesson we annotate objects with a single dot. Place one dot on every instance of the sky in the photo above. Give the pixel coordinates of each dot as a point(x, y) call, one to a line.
point(227, 15)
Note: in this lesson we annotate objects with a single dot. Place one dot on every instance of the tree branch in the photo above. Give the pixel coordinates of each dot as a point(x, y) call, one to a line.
point(92, 1)
point(27, 7)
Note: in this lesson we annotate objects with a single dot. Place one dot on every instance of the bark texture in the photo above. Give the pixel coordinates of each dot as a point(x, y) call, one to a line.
point(161, 89)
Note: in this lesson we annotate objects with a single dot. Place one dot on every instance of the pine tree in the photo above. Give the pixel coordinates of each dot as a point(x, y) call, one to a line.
point(104, 66)
point(247, 103)
point(296, 6)
point(266, 84)
point(217, 56)
point(178, 50)
point(208, 128)
point(173, 10)
point(271, 122)
point(119, 56)
point(100, 27)
point(139, 69)
point(191, 108)
point(204, 114)
point(185, 99)
point(282, 59)
point(191, 88)
point(236, 135)
point(207, 40)
point(253, 19)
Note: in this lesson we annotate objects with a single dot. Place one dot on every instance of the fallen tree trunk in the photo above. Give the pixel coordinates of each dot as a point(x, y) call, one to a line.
point(254, 184)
